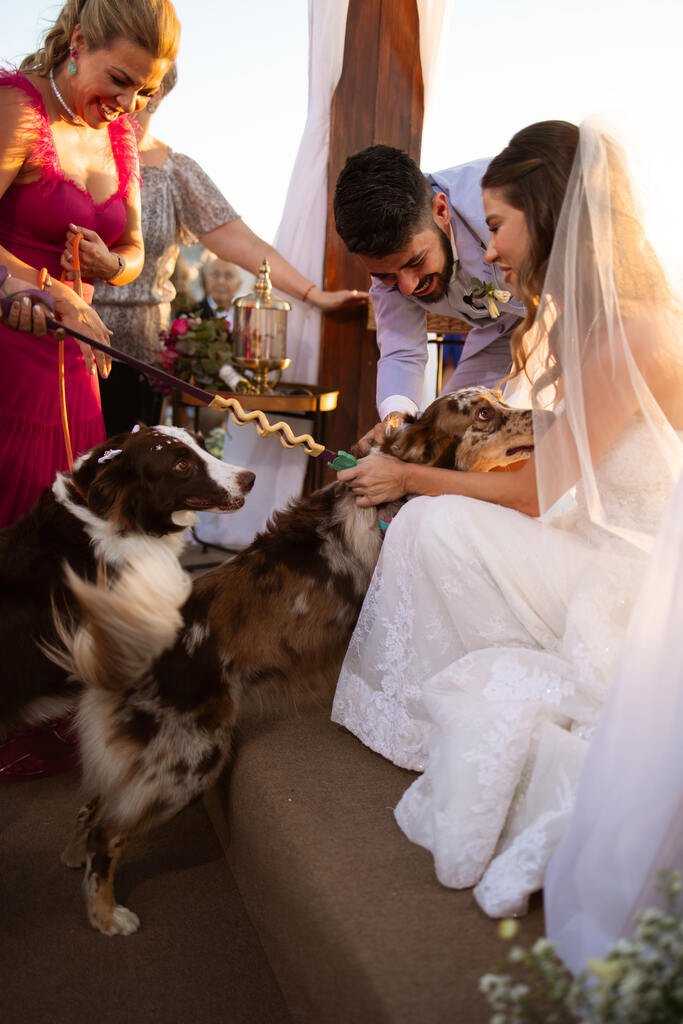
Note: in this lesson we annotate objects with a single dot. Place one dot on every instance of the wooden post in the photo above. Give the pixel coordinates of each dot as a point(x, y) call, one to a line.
point(379, 99)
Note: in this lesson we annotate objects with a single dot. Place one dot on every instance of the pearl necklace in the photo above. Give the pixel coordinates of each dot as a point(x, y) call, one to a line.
point(74, 117)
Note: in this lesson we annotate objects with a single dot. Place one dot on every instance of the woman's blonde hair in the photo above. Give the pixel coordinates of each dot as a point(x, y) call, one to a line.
point(151, 24)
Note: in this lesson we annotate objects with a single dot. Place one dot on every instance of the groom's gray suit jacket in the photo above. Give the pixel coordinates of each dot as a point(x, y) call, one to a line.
point(401, 321)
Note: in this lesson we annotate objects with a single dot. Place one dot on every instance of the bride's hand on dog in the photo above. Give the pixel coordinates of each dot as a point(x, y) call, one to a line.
point(376, 479)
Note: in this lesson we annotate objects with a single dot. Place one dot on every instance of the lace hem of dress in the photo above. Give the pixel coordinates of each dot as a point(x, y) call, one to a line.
point(381, 724)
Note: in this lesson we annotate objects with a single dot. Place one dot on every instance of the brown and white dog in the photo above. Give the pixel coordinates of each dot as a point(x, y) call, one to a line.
point(470, 429)
point(169, 665)
point(140, 488)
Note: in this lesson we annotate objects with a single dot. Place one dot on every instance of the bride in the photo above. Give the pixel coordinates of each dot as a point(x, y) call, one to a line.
point(491, 632)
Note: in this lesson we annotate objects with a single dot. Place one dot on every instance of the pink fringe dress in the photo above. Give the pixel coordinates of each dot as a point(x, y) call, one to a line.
point(33, 223)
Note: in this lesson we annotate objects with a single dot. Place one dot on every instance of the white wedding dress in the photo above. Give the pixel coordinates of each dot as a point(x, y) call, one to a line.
point(482, 658)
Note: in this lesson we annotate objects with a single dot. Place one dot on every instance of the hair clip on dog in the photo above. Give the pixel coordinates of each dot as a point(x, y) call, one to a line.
point(110, 454)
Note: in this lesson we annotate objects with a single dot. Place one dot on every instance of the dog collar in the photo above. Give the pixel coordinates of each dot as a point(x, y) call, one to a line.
point(383, 523)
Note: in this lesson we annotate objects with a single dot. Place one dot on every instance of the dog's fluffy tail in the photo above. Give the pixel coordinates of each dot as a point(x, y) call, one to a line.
point(125, 625)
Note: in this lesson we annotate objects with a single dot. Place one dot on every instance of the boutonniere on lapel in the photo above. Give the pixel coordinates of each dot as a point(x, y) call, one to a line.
point(482, 293)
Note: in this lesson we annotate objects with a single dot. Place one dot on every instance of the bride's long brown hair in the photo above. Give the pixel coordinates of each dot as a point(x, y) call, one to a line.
point(532, 172)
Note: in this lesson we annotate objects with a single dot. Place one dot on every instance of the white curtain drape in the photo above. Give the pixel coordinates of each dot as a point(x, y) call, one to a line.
point(628, 821)
point(434, 18)
point(301, 234)
point(300, 238)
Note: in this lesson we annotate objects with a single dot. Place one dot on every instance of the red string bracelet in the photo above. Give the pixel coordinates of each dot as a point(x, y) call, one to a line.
point(306, 293)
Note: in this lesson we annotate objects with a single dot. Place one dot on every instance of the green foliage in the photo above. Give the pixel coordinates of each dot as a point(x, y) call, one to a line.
point(215, 442)
point(640, 981)
point(198, 348)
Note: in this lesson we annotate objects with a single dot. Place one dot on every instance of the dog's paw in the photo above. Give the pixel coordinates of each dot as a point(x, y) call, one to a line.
point(119, 921)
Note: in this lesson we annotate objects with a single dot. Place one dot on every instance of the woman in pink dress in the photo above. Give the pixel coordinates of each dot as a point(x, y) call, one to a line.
point(68, 162)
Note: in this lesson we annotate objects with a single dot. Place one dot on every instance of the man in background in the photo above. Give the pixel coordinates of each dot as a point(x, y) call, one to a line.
point(221, 281)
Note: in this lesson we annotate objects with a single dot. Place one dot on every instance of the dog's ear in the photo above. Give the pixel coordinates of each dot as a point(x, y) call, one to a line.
point(447, 459)
point(89, 465)
point(103, 490)
point(392, 432)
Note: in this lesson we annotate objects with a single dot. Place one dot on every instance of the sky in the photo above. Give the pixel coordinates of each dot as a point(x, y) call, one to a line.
point(240, 104)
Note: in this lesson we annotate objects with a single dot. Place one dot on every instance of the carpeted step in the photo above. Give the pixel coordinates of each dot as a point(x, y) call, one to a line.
point(196, 958)
point(352, 918)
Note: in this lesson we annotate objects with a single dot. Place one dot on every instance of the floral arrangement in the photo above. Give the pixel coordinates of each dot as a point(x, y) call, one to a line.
point(640, 981)
point(195, 350)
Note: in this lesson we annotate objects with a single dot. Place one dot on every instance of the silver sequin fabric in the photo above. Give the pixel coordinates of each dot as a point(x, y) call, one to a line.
point(180, 203)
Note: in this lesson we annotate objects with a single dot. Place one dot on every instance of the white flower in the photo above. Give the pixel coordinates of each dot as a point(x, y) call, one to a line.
point(493, 308)
point(542, 946)
point(502, 295)
point(604, 969)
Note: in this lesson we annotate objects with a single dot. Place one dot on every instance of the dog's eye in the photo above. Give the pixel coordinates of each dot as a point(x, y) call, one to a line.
point(181, 466)
point(484, 414)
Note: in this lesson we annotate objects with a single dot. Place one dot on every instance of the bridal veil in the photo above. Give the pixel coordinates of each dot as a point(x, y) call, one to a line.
point(620, 356)
point(628, 821)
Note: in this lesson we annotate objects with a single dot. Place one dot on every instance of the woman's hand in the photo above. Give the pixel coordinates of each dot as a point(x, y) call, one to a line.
point(27, 316)
point(26, 313)
point(376, 479)
point(95, 258)
point(74, 313)
point(328, 302)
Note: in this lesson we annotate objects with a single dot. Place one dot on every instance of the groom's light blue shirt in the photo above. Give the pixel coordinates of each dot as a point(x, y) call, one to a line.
point(401, 321)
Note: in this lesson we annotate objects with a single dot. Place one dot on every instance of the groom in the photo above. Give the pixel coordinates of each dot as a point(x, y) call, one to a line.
point(423, 239)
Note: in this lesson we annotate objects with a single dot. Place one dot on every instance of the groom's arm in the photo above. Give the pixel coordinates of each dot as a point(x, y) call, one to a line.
point(402, 342)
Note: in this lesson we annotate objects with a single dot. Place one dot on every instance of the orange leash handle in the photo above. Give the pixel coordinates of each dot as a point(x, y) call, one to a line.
point(76, 264)
point(78, 288)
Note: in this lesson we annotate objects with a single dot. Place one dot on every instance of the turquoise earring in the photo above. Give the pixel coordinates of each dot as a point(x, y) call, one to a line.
point(72, 66)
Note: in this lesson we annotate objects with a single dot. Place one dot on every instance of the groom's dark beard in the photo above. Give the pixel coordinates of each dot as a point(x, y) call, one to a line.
point(443, 276)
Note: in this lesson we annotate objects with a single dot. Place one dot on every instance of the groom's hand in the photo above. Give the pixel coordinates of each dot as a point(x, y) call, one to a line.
point(378, 433)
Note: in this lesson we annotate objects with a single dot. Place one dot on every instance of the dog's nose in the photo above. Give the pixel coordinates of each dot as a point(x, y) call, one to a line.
point(246, 481)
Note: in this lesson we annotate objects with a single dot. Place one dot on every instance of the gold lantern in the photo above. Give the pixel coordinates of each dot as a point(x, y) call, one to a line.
point(259, 333)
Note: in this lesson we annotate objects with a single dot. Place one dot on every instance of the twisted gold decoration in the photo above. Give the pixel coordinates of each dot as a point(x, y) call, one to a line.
point(264, 428)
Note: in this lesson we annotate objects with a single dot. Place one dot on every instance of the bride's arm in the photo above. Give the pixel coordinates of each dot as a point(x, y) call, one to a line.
point(380, 478)
point(612, 389)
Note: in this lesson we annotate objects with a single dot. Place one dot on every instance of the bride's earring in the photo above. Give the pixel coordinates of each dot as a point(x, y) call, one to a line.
point(72, 66)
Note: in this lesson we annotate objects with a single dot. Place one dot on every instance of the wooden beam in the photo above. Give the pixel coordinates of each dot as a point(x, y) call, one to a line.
point(379, 99)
